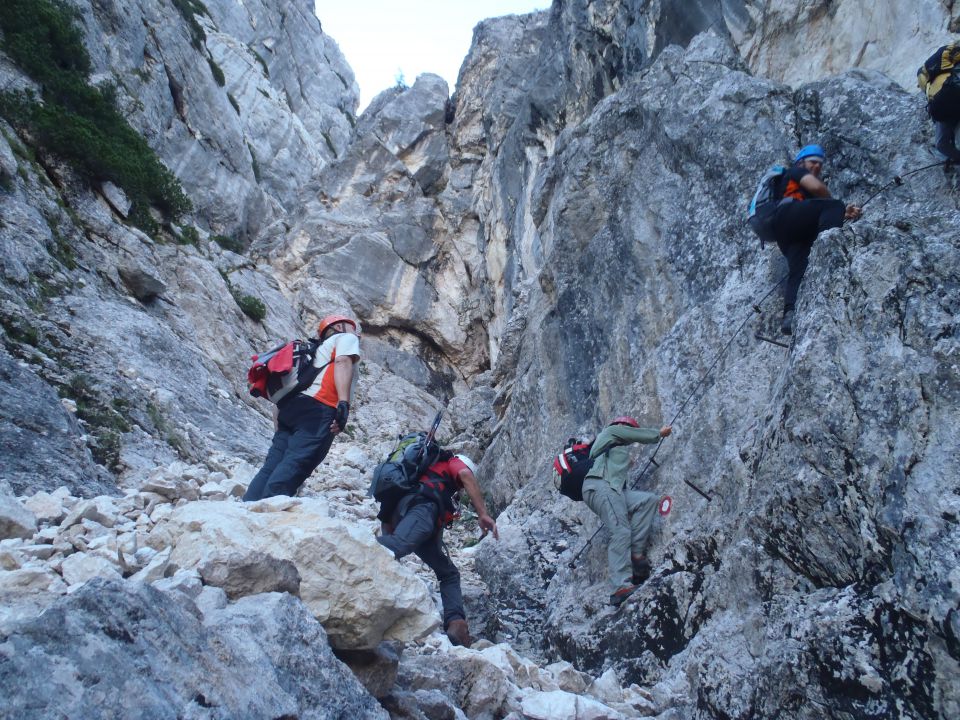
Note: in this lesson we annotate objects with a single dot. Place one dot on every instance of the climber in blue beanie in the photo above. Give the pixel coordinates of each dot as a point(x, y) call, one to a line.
point(805, 209)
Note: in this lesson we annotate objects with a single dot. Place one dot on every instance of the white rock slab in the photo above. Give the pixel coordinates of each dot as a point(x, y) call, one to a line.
point(349, 581)
point(560, 705)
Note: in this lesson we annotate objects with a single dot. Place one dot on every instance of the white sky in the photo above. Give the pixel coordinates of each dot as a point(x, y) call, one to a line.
point(381, 38)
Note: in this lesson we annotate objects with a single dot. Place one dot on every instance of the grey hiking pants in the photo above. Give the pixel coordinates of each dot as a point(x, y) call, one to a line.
point(628, 517)
point(415, 531)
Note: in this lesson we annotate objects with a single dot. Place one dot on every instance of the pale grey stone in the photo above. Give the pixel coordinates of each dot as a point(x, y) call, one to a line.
point(141, 283)
point(16, 521)
point(210, 599)
point(47, 507)
point(116, 197)
point(81, 567)
point(101, 510)
point(241, 574)
point(183, 582)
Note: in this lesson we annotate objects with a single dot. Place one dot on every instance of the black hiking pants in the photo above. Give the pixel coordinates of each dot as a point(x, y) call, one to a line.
point(796, 226)
point(415, 531)
point(300, 443)
point(944, 108)
point(945, 105)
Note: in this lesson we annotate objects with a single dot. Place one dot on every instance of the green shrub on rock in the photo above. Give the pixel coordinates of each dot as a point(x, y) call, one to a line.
point(251, 306)
point(234, 245)
point(217, 72)
point(75, 121)
point(189, 235)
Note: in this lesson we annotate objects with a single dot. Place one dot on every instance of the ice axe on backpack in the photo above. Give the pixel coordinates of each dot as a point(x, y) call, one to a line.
point(431, 433)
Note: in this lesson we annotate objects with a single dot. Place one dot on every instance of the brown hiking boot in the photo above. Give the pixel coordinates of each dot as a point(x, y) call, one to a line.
point(459, 633)
point(622, 594)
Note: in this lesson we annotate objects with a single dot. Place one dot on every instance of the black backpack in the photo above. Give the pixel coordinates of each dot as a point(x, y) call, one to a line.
point(400, 473)
point(570, 468)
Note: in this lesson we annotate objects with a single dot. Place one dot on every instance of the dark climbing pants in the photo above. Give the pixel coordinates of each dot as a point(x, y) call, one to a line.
point(300, 443)
point(796, 226)
point(944, 108)
point(945, 105)
point(415, 531)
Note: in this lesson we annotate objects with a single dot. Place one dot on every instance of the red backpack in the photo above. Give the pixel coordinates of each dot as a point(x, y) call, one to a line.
point(286, 369)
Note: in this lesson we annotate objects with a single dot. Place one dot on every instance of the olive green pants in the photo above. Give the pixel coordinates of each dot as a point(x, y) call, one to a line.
point(628, 517)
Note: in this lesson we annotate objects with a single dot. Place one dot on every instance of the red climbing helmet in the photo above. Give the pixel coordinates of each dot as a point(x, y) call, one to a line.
point(333, 320)
point(625, 420)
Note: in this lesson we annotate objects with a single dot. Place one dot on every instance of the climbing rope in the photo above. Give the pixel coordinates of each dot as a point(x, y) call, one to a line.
point(755, 307)
point(898, 179)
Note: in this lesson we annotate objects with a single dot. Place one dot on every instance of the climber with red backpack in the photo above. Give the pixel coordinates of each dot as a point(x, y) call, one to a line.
point(626, 514)
point(312, 386)
point(418, 487)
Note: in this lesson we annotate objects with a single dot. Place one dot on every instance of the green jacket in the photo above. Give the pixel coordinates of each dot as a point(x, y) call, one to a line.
point(613, 466)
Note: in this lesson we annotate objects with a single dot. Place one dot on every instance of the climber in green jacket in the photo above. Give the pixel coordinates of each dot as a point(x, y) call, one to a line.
point(627, 514)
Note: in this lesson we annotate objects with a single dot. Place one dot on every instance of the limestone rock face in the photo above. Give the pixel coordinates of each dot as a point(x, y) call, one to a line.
point(40, 440)
point(560, 242)
point(797, 43)
point(374, 226)
point(244, 102)
point(816, 456)
point(261, 657)
point(349, 582)
point(143, 338)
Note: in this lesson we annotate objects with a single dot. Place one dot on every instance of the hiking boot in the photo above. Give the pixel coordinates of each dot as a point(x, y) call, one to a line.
point(459, 633)
point(641, 569)
point(786, 325)
point(622, 594)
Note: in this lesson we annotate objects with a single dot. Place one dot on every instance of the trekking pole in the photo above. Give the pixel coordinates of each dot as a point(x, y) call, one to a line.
point(898, 179)
point(430, 435)
point(652, 459)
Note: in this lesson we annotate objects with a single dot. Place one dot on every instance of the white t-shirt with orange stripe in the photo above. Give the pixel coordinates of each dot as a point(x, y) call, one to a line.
point(323, 388)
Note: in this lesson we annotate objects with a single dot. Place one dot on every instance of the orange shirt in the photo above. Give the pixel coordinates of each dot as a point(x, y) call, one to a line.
point(794, 189)
point(323, 388)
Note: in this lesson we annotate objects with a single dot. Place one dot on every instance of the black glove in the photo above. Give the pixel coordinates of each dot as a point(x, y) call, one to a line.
point(343, 410)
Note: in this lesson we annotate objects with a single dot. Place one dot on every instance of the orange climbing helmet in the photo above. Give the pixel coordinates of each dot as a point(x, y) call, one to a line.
point(333, 320)
point(625, 420)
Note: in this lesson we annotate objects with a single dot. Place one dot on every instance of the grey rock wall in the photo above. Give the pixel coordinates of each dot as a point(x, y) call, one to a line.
point(561, 241)
point(143, 338)
point(809, 555)
point(242, 149)
point(124, 650)
point(800, 42)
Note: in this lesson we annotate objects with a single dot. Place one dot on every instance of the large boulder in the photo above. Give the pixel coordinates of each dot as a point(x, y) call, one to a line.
point(350, 582)
point(262, 657)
